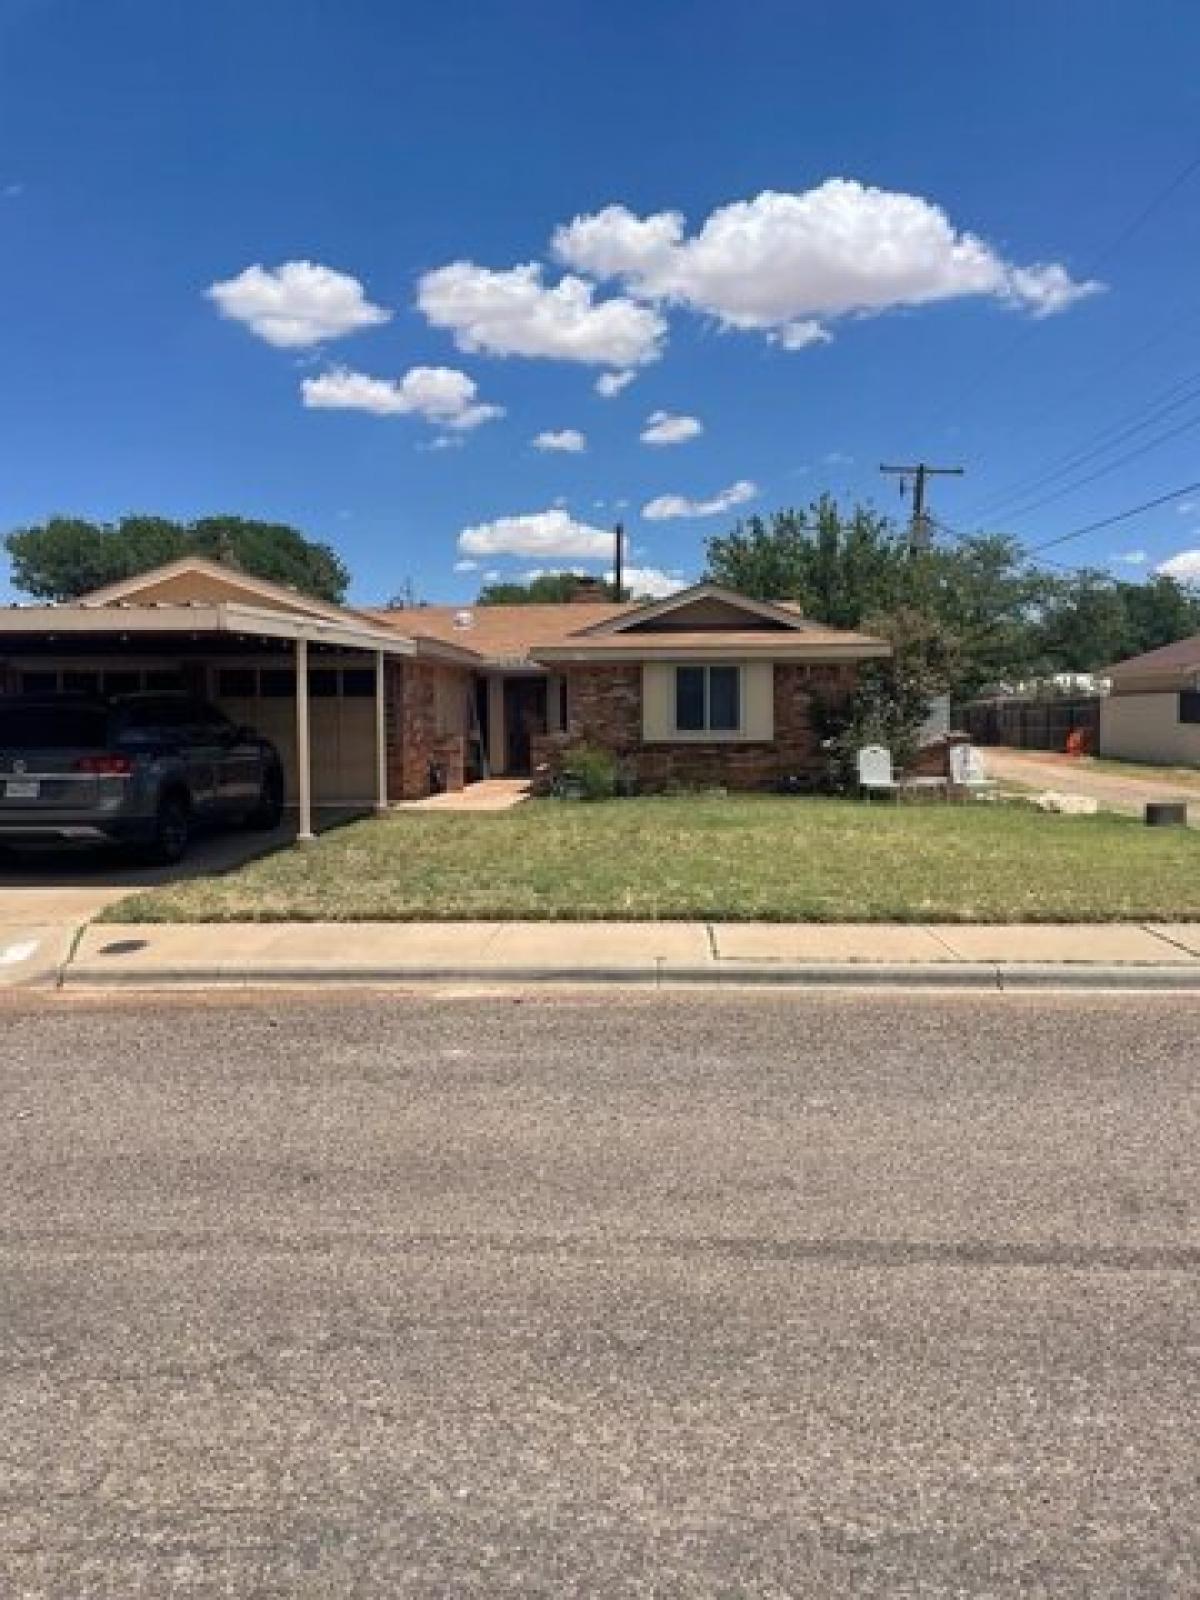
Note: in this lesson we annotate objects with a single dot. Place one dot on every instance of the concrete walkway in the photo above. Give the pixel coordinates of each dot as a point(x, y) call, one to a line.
point(1113, 791)
point(523, 953)
point(490, 794)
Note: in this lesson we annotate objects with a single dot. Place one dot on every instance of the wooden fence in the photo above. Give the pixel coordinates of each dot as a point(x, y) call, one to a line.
point(1031, 724)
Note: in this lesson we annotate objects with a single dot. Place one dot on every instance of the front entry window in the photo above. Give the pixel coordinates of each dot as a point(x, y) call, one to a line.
point(708, 699)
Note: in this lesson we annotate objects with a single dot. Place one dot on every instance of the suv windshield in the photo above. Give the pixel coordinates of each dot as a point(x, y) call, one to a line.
point(29, 725)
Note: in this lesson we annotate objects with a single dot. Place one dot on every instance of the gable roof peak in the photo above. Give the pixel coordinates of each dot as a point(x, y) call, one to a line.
point(637, 616)
point(262, 590)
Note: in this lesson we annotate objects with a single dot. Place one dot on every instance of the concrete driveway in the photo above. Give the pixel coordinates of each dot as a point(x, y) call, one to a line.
point(48, 896)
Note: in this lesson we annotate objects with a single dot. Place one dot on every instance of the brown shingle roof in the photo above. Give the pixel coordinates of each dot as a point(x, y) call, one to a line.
point(519, 633)
point(1171, 660)
point(500, 633)
point(809, 644)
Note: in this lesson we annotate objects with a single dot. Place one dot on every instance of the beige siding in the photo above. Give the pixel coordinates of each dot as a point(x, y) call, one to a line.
point(1146, 727)
point(183, 588)
point(658, 704)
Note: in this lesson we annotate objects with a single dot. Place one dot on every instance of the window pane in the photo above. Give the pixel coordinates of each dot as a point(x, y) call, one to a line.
point(277, 683)
point(1189, 706)
point(122, 682)
point(358, 683)
point(160, 678)
point(724, 699)
point(689, 699)
point(237, 683)
point(48, 726)
point(81, 682)
point(323, 683)
point(39, 682)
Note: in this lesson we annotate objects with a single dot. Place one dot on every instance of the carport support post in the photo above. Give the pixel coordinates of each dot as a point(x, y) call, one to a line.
point(381, 750)
point(303, 744)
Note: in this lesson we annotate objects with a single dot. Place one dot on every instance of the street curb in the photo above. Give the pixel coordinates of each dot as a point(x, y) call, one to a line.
point(989, 976)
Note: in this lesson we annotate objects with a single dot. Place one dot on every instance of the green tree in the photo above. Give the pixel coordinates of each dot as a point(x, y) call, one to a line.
point(546, 588)
point(66, 557)
point(891, 698)
point(843, 568)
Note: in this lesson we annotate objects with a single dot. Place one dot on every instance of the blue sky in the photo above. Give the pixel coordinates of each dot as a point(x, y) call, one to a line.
point(818, 235)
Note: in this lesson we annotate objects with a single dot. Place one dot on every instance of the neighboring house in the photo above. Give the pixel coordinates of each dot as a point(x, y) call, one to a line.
point(1153, 710)
point(368, 707)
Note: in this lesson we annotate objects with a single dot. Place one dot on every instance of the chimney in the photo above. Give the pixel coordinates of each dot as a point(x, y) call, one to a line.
point(588, 590)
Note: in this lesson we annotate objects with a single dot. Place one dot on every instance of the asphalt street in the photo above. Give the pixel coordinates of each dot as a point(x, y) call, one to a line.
point(667, 1295)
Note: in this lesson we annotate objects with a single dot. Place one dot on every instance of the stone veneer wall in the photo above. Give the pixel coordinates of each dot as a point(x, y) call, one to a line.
point(604, 705)
point(414, 743)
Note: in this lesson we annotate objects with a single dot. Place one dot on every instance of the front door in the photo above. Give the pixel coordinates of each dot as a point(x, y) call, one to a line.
point(524, 716)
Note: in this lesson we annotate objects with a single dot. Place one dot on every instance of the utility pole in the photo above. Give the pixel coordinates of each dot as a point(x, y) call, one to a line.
point(918, 530)
point(618, 559)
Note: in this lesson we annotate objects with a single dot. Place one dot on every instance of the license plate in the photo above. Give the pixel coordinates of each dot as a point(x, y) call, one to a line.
point(22, 789)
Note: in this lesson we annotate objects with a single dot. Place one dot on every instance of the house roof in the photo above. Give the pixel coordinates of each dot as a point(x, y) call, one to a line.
point(1172, 666)
point(500, 633)
point(609, 630)
point(807, 644)
point(194, 596)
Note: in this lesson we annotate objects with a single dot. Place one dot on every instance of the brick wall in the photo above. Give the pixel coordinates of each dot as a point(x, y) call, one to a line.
point(604, 704)
point(414, 742)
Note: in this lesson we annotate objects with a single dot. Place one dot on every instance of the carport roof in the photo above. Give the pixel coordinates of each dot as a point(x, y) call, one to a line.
point(197, 617)
point(194, 597)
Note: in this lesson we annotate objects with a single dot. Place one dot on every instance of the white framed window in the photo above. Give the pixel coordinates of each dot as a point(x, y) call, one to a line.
point(708, 699)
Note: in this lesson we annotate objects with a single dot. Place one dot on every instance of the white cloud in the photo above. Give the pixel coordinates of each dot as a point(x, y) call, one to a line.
point(787, 263)
point(838, 458)
point(1132, 558)
point(610, 384)
point(538, 534)
point(663, 428)
point(799, 335)
point(568, 440)
point(652, 581)
point(13, 191)
point(466, 565)
point(513, 313)
point(1183, 567)
point(1185, 507)
point(669, 506)
point(297, 304)
point(441, 395)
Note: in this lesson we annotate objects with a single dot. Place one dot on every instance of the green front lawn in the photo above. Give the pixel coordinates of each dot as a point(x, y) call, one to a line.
point(744, 857)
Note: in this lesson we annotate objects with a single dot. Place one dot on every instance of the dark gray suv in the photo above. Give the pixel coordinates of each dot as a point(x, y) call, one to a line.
point(136, 769)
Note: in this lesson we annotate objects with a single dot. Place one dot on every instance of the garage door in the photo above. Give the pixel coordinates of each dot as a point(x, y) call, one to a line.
point(341, 719)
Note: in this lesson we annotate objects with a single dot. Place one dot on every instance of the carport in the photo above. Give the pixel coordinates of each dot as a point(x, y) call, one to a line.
point(316, 676)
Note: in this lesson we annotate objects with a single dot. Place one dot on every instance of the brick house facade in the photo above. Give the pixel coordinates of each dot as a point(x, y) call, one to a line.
point(425, 751)
point(605, 709)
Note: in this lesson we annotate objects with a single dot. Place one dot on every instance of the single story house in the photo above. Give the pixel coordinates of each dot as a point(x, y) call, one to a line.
point(368, 707)
point(1152, 711)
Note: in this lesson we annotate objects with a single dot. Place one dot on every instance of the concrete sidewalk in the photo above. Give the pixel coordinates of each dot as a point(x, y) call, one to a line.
point(499, 953)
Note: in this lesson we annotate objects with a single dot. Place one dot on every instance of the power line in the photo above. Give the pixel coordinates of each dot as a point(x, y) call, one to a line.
point(1120, 516)
point(996, 504)
point(1103, 472)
